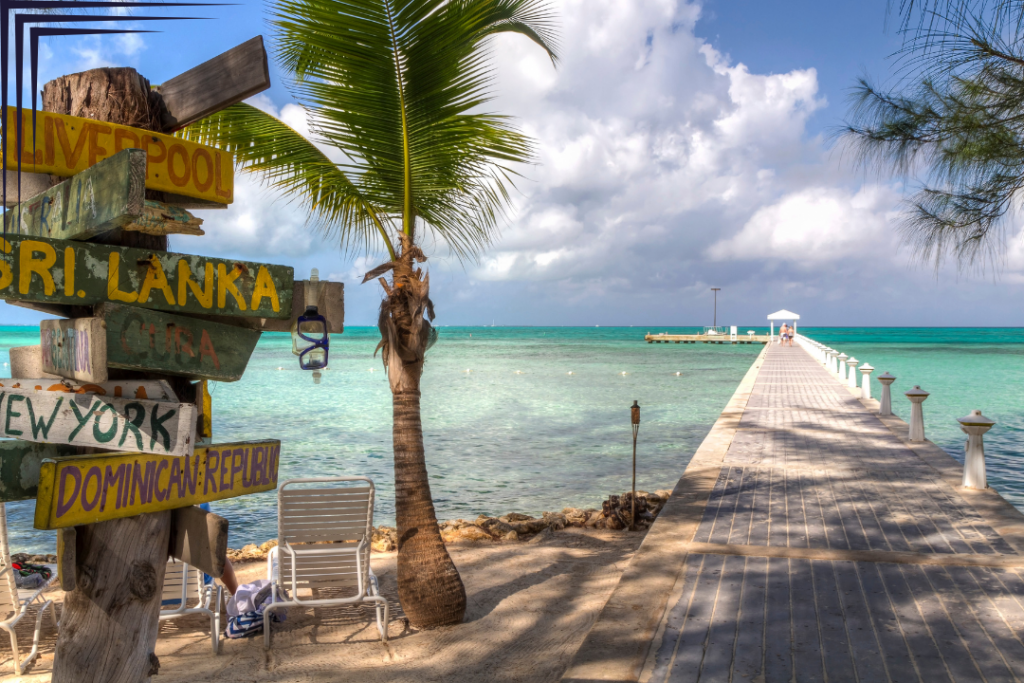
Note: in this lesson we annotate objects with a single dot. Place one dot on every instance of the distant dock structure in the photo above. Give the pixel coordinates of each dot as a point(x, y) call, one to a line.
point(665, 338)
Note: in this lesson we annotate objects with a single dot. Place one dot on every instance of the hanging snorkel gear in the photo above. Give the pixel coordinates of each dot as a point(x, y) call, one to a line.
point(310, 340)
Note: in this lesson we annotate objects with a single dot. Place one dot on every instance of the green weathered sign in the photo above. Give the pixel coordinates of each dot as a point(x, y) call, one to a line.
point(50, 271)
point(140, 339)
point(104, 197)
point(19, 467)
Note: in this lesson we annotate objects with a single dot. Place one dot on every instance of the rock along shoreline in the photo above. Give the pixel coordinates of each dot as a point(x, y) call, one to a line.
point(614, 515)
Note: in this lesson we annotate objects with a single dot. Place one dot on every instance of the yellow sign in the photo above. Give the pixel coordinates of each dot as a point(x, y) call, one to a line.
point(93, 488)
point(66, 145)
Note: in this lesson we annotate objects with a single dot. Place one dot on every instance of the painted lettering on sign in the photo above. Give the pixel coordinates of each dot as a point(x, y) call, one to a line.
point(85, 273)
point(76, 349)
point(90, 489)
point(117, 424)
point(155, 389)
point(138, 339)
point(66, 145)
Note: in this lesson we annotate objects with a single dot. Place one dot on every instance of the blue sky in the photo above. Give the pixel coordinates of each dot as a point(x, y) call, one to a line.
point(682, 146)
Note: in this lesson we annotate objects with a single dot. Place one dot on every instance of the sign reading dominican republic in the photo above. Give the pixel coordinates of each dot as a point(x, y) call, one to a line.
point(93, 488)
point(65, 145)
point(85, 273)
point(116, 424)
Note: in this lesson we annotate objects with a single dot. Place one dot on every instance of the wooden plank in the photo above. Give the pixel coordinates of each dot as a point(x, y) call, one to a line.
point(32, 184)
point(84, 273)
point(67, 570)
point(158, 218)
point(204, 427)
point(719, 656)
point(67, 145)
point(27, 361)
point(199, 538)
point(93, 488)
point(100, 199)
point(832, 625)
point(117, 424)
point(19, 467)
point(778, 635)
point(140, 339)
point(806, 647)
point(750, 635)
point(153, 389)
point(226, 79)
point(75, 349)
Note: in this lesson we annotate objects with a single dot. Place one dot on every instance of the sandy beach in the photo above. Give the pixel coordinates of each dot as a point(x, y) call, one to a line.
point(530, 606)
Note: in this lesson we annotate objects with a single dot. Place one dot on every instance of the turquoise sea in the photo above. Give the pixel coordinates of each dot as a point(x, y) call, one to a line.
point(507, 428)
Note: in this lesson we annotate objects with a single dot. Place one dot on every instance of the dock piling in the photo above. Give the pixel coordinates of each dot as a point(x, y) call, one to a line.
point(917, 396)
point(865, 385)
point(885, 408)
point(974, 426)
point(852, 380)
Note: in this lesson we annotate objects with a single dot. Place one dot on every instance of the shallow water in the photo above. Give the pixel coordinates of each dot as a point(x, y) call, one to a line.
point(516, 432)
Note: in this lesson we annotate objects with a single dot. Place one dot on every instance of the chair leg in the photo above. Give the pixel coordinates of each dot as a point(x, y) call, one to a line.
point(14, 648)
point(266, 627)
point(216, 623)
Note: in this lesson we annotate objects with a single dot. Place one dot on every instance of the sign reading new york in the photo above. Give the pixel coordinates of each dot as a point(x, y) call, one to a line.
point(85, 273)
point(65, 145)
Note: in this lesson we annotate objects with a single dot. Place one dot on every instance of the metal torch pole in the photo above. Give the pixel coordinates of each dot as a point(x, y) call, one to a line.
point(635, 417)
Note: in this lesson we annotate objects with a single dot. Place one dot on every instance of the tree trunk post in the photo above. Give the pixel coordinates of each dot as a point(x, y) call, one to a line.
point(110, 622)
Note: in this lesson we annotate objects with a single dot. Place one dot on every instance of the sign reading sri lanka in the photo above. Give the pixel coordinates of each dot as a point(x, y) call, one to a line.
point(93, 488)
point(66, 145)
point(85, 273)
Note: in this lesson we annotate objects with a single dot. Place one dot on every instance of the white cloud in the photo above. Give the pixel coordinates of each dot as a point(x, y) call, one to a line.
point(816, 225)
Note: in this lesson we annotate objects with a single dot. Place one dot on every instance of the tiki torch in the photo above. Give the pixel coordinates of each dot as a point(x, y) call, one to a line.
point(634, 413)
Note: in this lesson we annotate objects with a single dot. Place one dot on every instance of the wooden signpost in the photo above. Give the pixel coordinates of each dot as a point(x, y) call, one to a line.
point(19, 467)
point(93, 488)
point(153, 389)
point(117, 424)
point(76, 349)
point(139, 339)
point(66, 145)
point(84, 273)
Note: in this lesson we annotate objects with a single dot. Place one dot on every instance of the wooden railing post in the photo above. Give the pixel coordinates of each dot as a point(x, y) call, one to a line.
point(917, 396)
point(885, 404)
point(974, 426)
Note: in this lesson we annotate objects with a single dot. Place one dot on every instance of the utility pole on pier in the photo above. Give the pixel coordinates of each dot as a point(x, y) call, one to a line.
point(714, 322)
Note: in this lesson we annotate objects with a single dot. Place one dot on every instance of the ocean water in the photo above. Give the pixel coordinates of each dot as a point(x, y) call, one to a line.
point(963, 369)
point(506, 427)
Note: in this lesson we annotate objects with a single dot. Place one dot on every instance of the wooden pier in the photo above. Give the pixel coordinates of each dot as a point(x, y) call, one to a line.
point(808, 540)
point(706, 339)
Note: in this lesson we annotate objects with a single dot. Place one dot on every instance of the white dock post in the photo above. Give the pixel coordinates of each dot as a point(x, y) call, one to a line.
point(841, 370)
point(917, 395)
point(885, 408)
point(852, 381)
point(829, 355)
point(974, 425)
point(865, 384)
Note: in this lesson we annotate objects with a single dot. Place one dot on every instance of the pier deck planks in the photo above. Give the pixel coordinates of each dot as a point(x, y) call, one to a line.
point(811, 542)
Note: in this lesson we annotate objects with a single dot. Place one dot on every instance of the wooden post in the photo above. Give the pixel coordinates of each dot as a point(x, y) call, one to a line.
point(110, 621)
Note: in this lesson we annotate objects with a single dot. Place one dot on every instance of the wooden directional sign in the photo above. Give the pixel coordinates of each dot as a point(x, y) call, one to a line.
point(19, 467)
point(153, 389)
point(66, 145)
point(228, 78)
point(116, 424)
point(101, 198)
point(139, 339)
point(200, 539)
point(94, 488)
point(163, 219)
point(84, 273)
point(76, 349)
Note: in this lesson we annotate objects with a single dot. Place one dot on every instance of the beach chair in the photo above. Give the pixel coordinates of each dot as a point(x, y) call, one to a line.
point(183, 583)
point(323, 537)
point(16, 607)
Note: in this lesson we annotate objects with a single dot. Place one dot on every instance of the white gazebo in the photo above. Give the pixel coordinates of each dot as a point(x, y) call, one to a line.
point(783, 315)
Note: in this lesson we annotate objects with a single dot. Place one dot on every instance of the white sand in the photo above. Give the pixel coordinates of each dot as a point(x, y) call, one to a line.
point(530, 606)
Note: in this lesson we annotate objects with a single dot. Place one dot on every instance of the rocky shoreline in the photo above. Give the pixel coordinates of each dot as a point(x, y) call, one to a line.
point(614, 514)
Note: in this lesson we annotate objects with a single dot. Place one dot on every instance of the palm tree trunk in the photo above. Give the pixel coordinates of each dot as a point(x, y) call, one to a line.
point(429, 585)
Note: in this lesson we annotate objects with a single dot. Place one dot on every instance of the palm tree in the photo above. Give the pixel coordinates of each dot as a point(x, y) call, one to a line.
point(397, 88)
point(953, 125)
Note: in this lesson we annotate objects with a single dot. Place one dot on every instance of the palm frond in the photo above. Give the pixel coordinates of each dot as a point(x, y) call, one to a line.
point(284, 159)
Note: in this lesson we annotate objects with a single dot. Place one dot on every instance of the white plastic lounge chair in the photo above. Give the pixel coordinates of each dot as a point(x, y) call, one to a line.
point(323, 537)
point(16, 607)
point(183, 583)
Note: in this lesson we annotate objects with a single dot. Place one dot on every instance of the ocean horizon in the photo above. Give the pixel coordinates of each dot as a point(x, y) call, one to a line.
point(536, 418)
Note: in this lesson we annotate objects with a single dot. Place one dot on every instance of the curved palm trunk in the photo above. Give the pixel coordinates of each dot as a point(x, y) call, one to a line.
point(429, 585)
